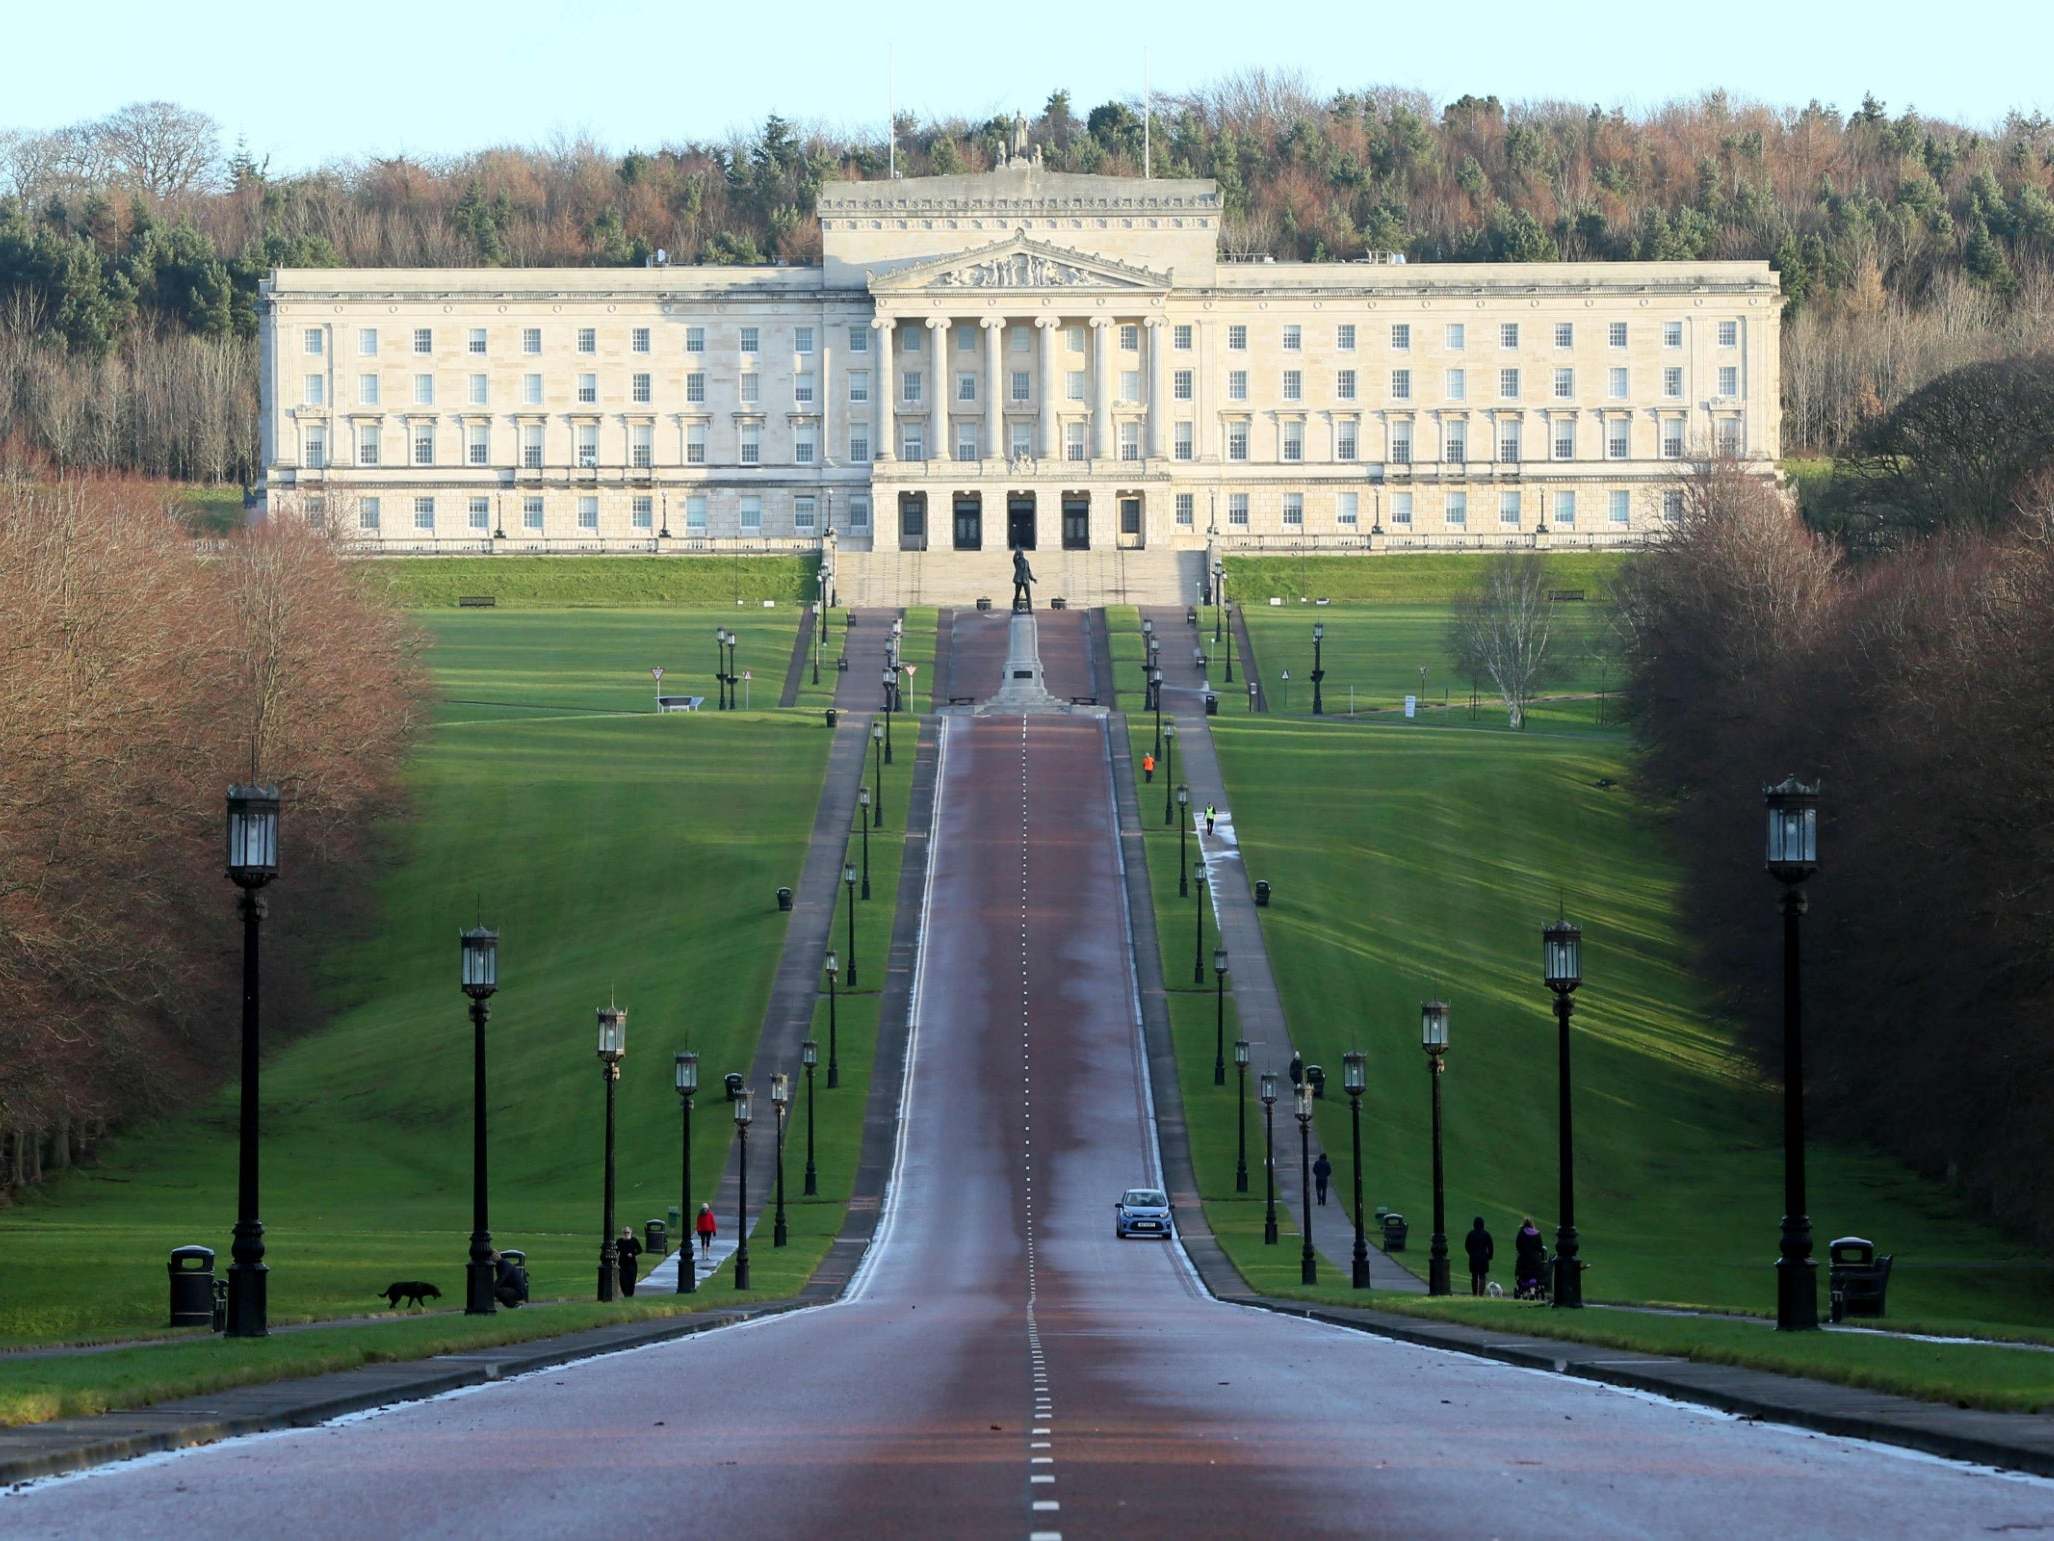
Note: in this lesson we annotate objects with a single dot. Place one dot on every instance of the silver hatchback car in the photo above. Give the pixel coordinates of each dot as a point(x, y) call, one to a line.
point(1142, 1212)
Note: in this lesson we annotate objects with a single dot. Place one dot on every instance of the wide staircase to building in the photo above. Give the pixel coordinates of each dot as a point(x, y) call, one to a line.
point(1085, 579)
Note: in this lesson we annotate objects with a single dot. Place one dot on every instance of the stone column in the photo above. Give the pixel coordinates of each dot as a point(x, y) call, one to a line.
point(883, 433)
point(939, 374)
point(994, 379)
point(1101, 389)
point(1046, 446)
point(1158, 389)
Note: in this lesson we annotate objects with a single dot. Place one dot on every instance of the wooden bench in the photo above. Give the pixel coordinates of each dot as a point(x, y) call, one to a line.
point(476, 601)
point(1565, 596)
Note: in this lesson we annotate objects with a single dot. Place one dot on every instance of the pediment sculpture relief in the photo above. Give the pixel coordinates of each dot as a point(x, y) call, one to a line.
point(1017, 270)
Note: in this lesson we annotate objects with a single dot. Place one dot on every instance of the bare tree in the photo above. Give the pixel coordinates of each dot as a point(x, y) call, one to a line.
point(1500, 631)
point(164, 149)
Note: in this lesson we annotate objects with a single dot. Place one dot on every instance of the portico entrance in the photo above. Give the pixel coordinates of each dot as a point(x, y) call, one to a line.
point(969, 531)
point(1020, 521)
point(1076, 521)
point(912, 521)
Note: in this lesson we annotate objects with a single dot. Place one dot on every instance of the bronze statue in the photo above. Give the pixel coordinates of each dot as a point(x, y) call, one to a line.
point(1023, 579)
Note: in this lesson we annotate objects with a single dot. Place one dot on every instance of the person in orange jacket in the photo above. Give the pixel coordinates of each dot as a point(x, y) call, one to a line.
point(1148, 767)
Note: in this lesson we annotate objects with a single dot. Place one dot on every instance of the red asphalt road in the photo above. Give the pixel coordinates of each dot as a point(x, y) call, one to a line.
point(1003, 1352)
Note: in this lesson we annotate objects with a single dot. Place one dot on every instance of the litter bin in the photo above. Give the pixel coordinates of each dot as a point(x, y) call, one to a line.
point(1190, 615)
point(519, 1260)
point(733, 1082)
point(656, 1239)
point(1261, 894)
point(1858, 1280)
point(1058, 603)
point(676, 1221)
point(1212, 704)
point(784, 898)
point(984, 602)
point(832, 716)
point(1394, 1232)
point(1316, 1077)
point(842, 663)
point(192, 1286)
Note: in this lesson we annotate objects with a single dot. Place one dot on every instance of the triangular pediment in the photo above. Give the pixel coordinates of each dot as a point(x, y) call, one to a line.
point(1018, 263)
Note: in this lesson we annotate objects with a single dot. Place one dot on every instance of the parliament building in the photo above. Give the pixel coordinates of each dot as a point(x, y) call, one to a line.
point(1014, 358)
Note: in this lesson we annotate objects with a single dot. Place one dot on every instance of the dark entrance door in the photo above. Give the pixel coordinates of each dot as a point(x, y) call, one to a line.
point(1020, 521)
point(969, 522)
point(1076, 521)
point(912, 521)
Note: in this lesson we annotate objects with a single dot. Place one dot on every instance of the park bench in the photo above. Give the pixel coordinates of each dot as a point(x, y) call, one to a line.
point(679, 703)
point(1566, 596)
point(476, 601)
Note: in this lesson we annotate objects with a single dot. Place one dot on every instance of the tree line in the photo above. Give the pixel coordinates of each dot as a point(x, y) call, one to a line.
point(137, 680)
point(1907, 246)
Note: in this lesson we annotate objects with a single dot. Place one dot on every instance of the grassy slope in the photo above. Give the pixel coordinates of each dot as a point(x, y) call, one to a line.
point(1403, 577)
point(434, 582)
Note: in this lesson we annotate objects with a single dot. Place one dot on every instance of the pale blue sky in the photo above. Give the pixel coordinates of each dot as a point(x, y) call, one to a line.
point(306, 84)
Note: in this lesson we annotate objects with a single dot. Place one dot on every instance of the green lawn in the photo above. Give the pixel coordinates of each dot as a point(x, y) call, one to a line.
point(556, 581)
point(1405, 577)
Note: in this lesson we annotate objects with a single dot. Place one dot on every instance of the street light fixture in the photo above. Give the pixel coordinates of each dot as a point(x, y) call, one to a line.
point(1268, 1095)
point(734, 678)
point(877, 772)
point(1562, 964)
point(1198, 939)
point(1319, 632)
point(744, 1109)
point(1793, 856)
point(891, 676)
point(1219, 589)
point(478, 948)
point(849, 882)
point(1433, 1037)
point(688, 1087)
point(1353, 1080)
point(1308, 1263)
point(809, 1056)
point(1169, 769)
point(613, 1044)
point(780, 1104)
point(863, 823)
point(720, 665)
point(1155, 688)
point(252, 862)
point(1219, 1016)
point(1183, 838)
point(1228, 650)
point(834, 1064)
point(1241, 1115)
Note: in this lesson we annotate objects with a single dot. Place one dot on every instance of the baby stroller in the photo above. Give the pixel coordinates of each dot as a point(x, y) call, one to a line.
point(1530, 1279)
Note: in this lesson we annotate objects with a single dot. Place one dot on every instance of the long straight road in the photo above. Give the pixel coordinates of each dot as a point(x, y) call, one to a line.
point(1002, 1366)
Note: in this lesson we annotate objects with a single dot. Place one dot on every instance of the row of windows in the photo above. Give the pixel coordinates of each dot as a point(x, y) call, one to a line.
point(476, 513)
point(1563, 508)
point(477, 340)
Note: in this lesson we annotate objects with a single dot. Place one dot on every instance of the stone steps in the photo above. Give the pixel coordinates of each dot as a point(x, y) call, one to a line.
point(1086, 579)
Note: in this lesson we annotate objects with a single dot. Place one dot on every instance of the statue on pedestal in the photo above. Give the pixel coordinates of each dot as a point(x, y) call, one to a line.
point(1023, 581)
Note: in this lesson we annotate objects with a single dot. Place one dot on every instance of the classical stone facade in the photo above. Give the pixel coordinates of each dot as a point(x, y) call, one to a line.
point(1015, 357)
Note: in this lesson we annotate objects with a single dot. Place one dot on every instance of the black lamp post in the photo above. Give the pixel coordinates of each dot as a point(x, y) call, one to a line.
point(877, 772)
point(1308, 1263)
point(809, 1056)
point(1183, 839)
point(252, 862)
point(1793, 856)
point(863, 822)
point(688, 1087)
point(1268, 1093)
point(780, 1105)
point(1198, 940)
point(819, 633)
point(479, 950)
point(1219, 591)
point(1219, 1016)
point(1319, 632)
point(744, 1100)
point(1240, 1115)
point(834, 1064)
point(1353, 1080)
point(1562, 960)
point(1169, 770)
point(1228, 648)
point(613, 1044)
point(720, 666)
point(849, 881)
point(890, 695)
point(734, 678)
point(1155, 686)
point(1433, 1037)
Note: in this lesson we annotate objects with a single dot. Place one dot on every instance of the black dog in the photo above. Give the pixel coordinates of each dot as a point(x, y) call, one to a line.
point(413, 1291)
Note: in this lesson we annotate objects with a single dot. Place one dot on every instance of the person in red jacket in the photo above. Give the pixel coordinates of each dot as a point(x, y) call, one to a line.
point(707, 1227)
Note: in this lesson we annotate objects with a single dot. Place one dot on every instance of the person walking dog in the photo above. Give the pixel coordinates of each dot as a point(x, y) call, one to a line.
point(1481, 1250)
point(708, 1228)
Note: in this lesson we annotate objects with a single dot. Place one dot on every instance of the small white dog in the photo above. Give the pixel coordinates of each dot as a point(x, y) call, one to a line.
point(1495, 1290)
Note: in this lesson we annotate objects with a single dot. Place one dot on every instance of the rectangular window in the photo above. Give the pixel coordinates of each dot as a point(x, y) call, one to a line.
point(1237, 508)
point(1672, 384)
point(1021, 388)
point(531, 390)
point(1293, 338)
point(1294, 441)
point(802, 513)
point(1401, 443)
point(1457, 432)
point(1456, 336)
point(588, 339)
point(481, 513)
point(859, 385)
point(1565, 508)
point(1401, 384)
point(1508, 334)
point(638, 340)
point(1020, 439)
point(1184, 439)
point(695, 339)
point(1018, 339)
point(966, 339)
point(1508, 509)
point(1672, 506)
point(1615, 384)
point(1130, 441)
point(1180, 338)
point(859, 445)
point(317, 447)
point(966, 387)
point(751, 444)
point(1615, 334)
point(1130, 339)
point(424, 339)
point(1615, 438)
point(1729, 334)
point(1294, 508)
point(1565, 385)
point(1237, 385)
point(1565, 439)
point(588, 444)
point(531, 339)
point(1729, 380)
point(1401, 508)
point(1073, 385)
point(1619, 507)
point(531, 513)
point(531, 446)
point(477, 444)
point(1508, 440)
point(1237, 441)
point(424, 390)
point(1294, 385)
point(913, 443)
point(859, 340)
point(1073, 441)
point(1729, 438)
point(641, 445)
point(750, 389)
point(1672, 438)
point(751, 340)
point(1347, 506)
point(1672, 334)
point(1565, 334)
point(1186, 514)
point(1401, 336)
point(1344, 385)
point(1073, 338)
point(588, 513)
point(695, 386)
point(1130, 385)
point(1458, 385)
point(370, 444)
point(316, 391)
point(695, 513)
point(479, 391)
point(642, 511)
point(314, 340)
point(1237, 339)
point(424, 444)
point(1344, 337)
point(475, 343)
point(966, 441)
point(859, 513)
point(695, 444)
point(802, 339)
point(424, 513)
point(802, 390)
point(1508, 384)
point(910, 386)
point(367, 341)
point(1344, 439)
point(588, 388)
